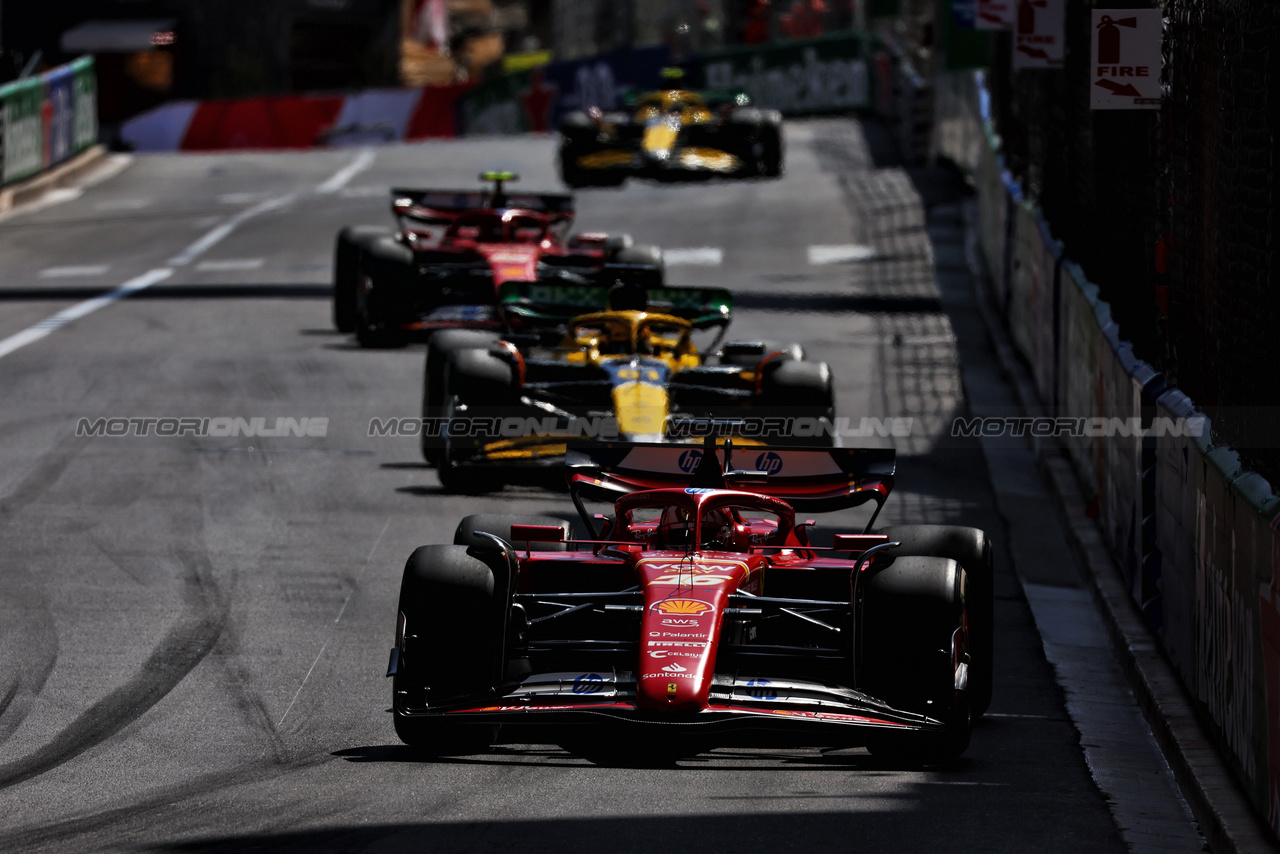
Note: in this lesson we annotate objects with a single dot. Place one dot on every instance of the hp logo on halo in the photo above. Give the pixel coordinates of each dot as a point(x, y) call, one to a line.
point(689, 461)
point(769, 462)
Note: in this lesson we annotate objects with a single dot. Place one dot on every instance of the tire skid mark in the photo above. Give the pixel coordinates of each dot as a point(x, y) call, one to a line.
point(251, 705)
point(171, 807)
point(185, 645)
point(32, 639)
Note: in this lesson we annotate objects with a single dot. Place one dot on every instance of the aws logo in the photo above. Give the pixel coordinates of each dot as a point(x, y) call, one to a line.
point(769, 462)
point(689, 461)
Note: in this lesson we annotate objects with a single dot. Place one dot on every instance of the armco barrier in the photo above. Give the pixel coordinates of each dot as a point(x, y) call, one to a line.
point(1045, 284)
point(298, 121)
point(1177, 467)
point(1024, 276)
point(1197, 539)
point(1120, 506)
point(1078, 383)
point(47, 119)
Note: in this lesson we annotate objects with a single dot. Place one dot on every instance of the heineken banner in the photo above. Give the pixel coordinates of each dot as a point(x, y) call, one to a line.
point(823, 75)
point(45, 120)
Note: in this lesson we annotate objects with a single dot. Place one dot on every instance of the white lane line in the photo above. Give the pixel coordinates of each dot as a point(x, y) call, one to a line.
point(229, 265)
point(362, 162)
point(74, 271)
point(215, 236)
point(54, 322)
point(123, 204)
point(840, 254)
point(698, 256)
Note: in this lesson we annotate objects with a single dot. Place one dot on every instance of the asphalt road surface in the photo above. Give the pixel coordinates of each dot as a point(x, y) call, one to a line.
point(194, 630)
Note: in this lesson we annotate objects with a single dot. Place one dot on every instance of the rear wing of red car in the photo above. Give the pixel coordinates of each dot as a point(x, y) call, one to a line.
point(444, 204)
point(809, 479)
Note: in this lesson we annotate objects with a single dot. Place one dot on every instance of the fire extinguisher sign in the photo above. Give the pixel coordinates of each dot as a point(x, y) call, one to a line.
point(1126, 59)
point(1038, 35)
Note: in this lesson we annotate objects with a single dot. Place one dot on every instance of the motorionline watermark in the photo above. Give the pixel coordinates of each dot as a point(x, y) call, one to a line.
point(1097, 427)
point(223, 426)
point(609, 427)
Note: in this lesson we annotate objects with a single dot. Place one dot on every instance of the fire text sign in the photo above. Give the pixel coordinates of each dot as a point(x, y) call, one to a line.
point(1126, 59)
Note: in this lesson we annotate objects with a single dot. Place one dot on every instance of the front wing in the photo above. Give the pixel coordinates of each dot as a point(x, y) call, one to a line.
point(779, 705)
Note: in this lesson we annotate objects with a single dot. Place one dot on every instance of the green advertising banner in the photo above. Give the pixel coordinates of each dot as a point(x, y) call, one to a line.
point(48, 119)
point(822, 75)
point(20, 104)
point(84, 132)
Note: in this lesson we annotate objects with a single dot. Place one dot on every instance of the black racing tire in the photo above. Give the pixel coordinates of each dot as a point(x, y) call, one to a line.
point(748, 354)
point(746, 127)
point(483, 382)
point(771, 141)
point(971, 548)
point(910, 611)
point(576, 124)
point(346, 271)
point(500, 525)
point(642, 255)
point(452, 603)
point(439, 346)
point(571, 174)
point(386, 268)
point(616, 243)
point(795, 388)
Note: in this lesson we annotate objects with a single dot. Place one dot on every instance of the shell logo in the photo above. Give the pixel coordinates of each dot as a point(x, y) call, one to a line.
point(683, 606)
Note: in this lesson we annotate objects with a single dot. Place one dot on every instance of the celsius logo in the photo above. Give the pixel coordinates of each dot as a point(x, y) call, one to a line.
point(769, 462)
point(689, 461)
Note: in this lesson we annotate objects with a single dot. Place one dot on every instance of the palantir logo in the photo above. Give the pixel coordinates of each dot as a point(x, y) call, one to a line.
point(689, 461)
point(769, 462)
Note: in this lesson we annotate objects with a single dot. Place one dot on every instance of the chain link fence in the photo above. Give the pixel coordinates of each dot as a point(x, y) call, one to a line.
point(1171, 212)
point(1220, 131)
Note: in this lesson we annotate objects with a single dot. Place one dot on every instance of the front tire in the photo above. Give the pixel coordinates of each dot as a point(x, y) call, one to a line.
point(971, 548)
point(911, 614)
point(451, 605)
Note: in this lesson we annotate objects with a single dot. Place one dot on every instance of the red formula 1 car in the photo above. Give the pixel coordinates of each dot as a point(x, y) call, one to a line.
point(442, 268)
point(699, 609)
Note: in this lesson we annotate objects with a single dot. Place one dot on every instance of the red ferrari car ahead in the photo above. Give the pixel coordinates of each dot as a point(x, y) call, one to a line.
point(698, 610)
point(441, 269)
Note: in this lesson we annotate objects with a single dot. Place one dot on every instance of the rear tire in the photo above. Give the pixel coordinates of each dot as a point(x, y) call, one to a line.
point(911, 609)
point(971, 548)
point(642, 255)
point(481, 380)
point(452, 604)
point(346, 272)
point(439, 346)
point(386, 272)
point(794, 388)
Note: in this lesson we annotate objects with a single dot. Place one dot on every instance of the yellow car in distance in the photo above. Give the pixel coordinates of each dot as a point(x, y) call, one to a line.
point(629, 374)
point(671, 134)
